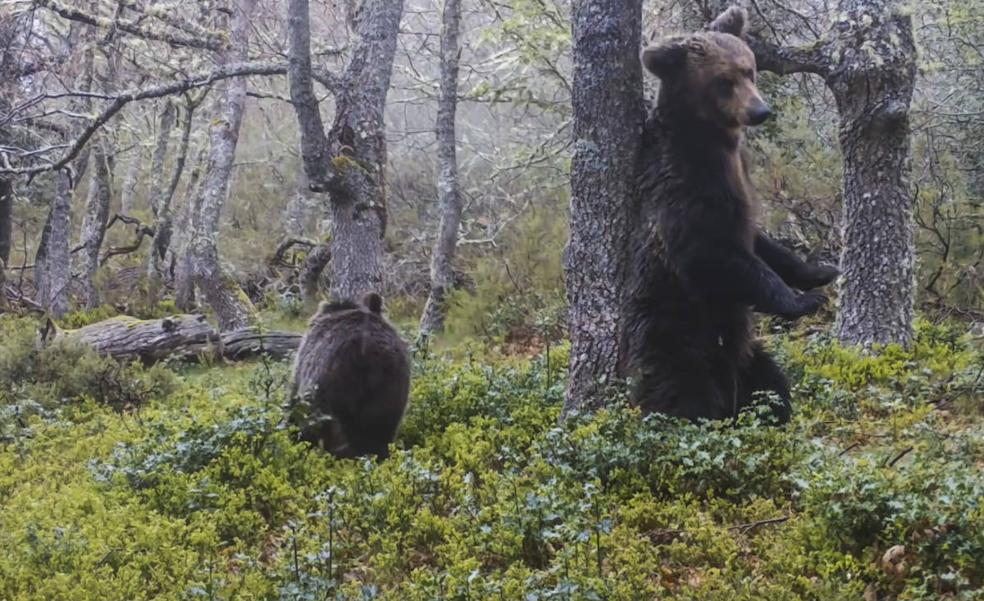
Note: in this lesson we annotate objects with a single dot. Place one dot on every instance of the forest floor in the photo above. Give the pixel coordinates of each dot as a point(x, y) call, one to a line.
point(179, 482)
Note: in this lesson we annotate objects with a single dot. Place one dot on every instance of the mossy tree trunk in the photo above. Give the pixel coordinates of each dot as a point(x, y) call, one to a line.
point(449, 194)
point(608, 117)
point(348, 162)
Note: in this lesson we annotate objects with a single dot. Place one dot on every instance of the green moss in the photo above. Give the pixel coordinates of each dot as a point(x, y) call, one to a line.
point(344, 163)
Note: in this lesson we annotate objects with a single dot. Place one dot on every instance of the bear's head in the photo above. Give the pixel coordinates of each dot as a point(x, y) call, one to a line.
point(710, 75)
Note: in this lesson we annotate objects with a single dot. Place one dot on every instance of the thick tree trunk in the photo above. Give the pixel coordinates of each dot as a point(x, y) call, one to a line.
point(52, 264)
point(232, 307)
point(608, 116)
point(6, 218)
point(349, 162)
point(873, 86)
point(449, 195)
point(94, 222)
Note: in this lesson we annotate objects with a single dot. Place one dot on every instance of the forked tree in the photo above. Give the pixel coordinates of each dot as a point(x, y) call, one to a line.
point(347, 162)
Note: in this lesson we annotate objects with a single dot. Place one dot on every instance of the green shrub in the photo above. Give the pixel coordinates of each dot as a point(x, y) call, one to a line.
point(66, 371)
point(518, 292)
point(871, 492)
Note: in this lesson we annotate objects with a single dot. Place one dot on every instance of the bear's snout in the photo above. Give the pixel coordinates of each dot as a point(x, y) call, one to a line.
point(758, 113)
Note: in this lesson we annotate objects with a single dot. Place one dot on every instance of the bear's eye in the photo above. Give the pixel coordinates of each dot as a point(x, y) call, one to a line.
point(749, 74)
point(723, 86)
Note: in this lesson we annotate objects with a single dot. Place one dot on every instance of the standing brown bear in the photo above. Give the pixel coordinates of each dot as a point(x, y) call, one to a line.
point(351, 379)
point(700, 264)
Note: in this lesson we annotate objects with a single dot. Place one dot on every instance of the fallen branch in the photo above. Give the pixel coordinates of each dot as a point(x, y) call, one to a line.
point(15, 296)
point(898, 457)
point(665, 536)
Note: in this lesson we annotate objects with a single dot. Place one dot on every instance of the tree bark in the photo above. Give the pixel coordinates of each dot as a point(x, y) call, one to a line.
point(232, 307)
point(6, 218)
point(52, 264)
point(449, 194)
point(164, 222)
point(872, 85)
point(157, 174)
point(309, 277)
point(94, 222)
point(867, 60)
point(128, 189)
point(608, 117)
point(349, 162)
point(298, 208)
point(184, 282)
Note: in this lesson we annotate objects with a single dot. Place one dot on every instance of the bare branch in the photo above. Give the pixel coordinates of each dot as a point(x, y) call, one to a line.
point(204, 41)
point(783, 60)
point(155, 91)
point(314, 143)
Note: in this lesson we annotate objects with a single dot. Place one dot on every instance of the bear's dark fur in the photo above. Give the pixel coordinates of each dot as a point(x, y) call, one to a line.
point(351, 379)
point(700, 264)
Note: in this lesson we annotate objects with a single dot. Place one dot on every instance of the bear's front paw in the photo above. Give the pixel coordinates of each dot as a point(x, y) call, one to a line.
point(809, 303)
point(817, 276)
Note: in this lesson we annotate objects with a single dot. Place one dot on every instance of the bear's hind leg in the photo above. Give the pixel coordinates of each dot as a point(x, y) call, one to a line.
point(369, 435)
point(764, 375)
point(680, 388)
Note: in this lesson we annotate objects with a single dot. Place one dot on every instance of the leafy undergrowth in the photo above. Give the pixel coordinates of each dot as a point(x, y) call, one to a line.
point(197, 492)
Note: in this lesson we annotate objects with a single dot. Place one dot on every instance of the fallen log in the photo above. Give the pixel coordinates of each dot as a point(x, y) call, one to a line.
point(185, 337)
point(251, 342)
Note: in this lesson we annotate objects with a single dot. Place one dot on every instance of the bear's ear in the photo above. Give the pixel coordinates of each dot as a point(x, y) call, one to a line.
point(665, 58)
point(730, 21)
point(373, 302)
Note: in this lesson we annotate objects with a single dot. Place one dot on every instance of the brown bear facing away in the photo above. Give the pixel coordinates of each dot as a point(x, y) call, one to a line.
point(351, 379)
point(700, 265)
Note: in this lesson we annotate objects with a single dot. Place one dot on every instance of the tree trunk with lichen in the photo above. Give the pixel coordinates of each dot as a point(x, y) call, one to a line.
point(449, 195)
point(349, 162)
point(184, 283)
point(868, 61)
point(128, 189)
point(872, 85)
point(232, 308)
point(163, 215)
point(608, 116)
point(52, 264)
point(94, 221)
